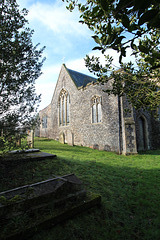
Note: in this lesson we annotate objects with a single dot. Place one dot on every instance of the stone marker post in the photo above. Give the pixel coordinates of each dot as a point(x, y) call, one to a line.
point(128, 128)
point(30, 138)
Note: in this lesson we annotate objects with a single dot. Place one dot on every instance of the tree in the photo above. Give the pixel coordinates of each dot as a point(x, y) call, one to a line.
point(119, 25)
point(20, 66)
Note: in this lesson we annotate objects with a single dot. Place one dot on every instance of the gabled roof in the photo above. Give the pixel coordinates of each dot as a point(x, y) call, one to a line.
point(80, 79)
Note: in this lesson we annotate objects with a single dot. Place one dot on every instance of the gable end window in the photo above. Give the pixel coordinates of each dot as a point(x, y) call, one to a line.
point(64, 102)
point(96, 103)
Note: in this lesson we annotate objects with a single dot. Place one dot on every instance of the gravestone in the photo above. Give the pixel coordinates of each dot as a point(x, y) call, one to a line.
point(70, 138)
point(30, 138)
point(62, 138)
point(42, 204)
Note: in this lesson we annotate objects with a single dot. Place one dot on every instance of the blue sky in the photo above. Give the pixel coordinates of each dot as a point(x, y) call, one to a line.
point(66, 40)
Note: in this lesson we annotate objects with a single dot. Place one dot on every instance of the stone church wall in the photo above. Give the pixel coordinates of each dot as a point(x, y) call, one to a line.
point(120, 131)
point(155, 134)
point(147, 131)
point(81, 130)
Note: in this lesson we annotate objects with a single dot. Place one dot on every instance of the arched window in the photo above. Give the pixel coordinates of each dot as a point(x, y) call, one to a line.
point(44, 122)
point(96, 103)
point(142, 138)
point(64, 102)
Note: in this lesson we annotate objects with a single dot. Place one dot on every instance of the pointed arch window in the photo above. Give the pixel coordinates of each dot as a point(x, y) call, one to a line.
point(64, 102)
point(96, 103)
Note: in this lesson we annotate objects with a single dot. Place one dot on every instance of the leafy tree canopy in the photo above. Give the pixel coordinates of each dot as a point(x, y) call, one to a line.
point(20, 66)
point(119, 25)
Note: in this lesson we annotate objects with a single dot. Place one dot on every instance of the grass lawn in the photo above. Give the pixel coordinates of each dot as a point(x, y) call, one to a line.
point(129, 186)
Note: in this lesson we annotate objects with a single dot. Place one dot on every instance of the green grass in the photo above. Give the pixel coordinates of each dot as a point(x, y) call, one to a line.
point(129, 186)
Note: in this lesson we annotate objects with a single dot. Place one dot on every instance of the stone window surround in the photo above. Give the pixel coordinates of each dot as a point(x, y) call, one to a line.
point(63, 107)
point(96, 100)
point(146, 133)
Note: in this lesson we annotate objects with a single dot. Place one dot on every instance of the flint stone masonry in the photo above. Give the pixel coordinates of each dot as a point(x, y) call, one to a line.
point(119, 129)
point(80, 130)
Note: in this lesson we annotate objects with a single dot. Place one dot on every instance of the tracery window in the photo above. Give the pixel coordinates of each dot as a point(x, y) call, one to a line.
point(44, 122)
point(64, 102)
point(96, 103)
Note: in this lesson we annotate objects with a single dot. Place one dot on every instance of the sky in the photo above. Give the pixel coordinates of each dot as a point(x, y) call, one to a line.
point(67, 41)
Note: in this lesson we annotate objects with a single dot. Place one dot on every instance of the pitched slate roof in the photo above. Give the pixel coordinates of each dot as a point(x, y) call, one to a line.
point(80, 79)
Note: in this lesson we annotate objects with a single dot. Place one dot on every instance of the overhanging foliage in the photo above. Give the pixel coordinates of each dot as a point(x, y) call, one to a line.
point(20, 66)
point(120, 25)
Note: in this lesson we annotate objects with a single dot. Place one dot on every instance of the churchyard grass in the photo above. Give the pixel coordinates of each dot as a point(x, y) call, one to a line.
point(129, 187)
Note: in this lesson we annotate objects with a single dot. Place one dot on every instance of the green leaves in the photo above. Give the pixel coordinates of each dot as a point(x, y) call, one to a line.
point(125, 21)
point(21, 64)
point(142, 4)
point(104, 4)
point(120, 25)
point(96, 39)
point(119, 40)
point(147, 16)
point(143, 48)
point(133, 46)
point(97, 48)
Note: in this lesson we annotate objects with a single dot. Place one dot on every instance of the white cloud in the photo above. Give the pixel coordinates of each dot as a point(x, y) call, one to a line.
point(57, 18)
point(78, 65)
point(112, 53)
point(46, 90)
point(63, 35)
point(24, 3)
point(46, 83)
point(49, 72)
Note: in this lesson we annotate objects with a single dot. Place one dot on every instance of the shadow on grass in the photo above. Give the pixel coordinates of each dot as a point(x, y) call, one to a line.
point(130, 197)
point(44, 139)
point(150, 152)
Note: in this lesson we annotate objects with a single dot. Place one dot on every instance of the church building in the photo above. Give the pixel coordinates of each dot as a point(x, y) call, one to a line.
point(81, 113)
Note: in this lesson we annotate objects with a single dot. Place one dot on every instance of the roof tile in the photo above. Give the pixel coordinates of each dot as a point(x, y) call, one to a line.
point(80, 79)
